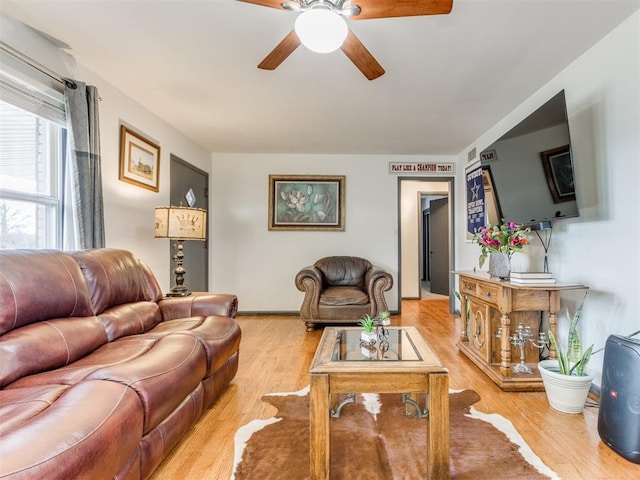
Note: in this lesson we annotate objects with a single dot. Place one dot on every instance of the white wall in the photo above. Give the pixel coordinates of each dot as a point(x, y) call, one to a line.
point(600, 248)
point(260, 265)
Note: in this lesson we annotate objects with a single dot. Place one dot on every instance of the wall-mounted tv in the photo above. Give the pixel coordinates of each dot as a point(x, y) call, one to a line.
point(528, 173)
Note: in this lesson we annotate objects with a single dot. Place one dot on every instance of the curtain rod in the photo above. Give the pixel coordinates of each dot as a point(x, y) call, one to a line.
point(37, 65)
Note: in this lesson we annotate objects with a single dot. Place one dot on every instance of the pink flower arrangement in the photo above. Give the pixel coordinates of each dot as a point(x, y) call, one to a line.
point(507, 238)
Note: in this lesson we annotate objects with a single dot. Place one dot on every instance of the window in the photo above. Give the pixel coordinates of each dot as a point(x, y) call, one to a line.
point(31, 152)
point(33, 145)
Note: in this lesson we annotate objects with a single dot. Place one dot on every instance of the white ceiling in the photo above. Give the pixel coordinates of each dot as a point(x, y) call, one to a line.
point(448, 78)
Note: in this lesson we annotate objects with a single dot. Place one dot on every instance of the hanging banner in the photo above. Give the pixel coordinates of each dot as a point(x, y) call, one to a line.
point(431, 168)
point(475, 200)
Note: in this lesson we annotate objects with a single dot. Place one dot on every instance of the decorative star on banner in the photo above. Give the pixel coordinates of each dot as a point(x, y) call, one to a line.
point(474, 190)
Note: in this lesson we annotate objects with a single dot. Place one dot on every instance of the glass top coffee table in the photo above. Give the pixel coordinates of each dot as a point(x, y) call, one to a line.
point(403, 362)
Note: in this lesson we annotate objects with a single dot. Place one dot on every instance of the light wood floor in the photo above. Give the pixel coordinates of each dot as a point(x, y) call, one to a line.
point(275, 355)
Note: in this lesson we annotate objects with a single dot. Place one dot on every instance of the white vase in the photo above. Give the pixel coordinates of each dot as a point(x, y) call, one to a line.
point(566, 393)
point(499, 265)
point(369, 338)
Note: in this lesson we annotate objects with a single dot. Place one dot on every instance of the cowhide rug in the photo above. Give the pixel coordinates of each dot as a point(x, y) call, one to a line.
point(373, 439)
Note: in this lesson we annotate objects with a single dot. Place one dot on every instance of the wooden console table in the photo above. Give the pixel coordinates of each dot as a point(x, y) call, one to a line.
point(495, 305)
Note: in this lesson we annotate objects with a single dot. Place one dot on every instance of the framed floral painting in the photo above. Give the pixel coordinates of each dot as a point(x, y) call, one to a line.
point(139, 160)
point(306, 202)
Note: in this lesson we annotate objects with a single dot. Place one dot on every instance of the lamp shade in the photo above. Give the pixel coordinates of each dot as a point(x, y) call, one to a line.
point(181, 223)
point(321, 30)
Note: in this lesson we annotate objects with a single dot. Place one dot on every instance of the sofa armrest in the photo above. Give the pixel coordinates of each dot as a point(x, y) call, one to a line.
point(309, 280)
point(199, 304)
point(378, 281)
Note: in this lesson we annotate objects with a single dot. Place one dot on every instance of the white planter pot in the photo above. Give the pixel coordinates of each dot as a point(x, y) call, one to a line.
point(566, 393)
point(369, 338)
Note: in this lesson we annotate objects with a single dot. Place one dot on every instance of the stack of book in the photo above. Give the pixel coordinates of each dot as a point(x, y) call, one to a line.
point(532, 278)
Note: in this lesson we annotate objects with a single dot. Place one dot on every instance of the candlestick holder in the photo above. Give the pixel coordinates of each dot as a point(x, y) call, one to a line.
point(520, 338)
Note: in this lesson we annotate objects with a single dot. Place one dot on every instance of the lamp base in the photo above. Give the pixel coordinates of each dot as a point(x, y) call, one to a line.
point(178, 291)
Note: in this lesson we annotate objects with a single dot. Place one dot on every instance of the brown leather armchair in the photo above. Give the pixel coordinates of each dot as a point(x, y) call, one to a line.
point(341, 290)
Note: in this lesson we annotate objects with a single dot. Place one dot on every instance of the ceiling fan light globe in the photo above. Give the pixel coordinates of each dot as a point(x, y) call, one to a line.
point(321, 30)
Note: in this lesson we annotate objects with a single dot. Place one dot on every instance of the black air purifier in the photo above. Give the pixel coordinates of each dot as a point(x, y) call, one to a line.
point(619, 415)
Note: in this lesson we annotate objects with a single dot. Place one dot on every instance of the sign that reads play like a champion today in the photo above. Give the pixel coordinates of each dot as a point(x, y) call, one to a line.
point(430, 168)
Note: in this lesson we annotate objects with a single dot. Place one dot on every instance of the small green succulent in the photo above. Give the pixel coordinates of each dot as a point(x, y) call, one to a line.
point(367, 322)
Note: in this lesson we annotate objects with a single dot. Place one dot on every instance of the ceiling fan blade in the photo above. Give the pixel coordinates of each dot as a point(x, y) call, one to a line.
point(361, 57)
point(400, 8)
point(281, 52)
point(266, 3)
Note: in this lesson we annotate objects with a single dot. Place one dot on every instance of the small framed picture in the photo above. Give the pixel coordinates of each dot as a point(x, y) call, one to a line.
point(306, 202)
point(139, 160)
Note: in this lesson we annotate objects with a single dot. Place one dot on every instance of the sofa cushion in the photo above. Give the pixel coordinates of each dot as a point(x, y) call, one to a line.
point(343, 270)
point(116, 277)
point(130, 319)
point(338, 296)
point(20, 405)
point(121, 351)
point(47, 345)
point(161, 371)
point(38, 285)
point(219, 336)
point(163, 377)
point(89, 431)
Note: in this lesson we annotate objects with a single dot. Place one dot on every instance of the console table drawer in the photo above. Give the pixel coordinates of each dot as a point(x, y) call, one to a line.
point(468, 287)
point(488, 293)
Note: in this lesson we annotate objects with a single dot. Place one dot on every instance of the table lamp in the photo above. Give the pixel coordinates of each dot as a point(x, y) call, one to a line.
point(180, 224)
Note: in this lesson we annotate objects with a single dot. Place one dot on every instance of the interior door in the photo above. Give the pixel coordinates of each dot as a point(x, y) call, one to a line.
point(439, 245)
point(426, 271)
point(188, 181)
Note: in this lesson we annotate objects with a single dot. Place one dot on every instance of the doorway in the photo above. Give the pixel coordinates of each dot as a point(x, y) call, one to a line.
point(187, 181)
point(426, 244)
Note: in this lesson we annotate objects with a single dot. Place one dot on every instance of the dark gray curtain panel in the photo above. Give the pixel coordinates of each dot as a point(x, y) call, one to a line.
point(84, 135)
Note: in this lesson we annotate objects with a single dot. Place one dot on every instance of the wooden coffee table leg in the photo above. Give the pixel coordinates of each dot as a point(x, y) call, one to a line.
point(319, 426)
point(438, 428)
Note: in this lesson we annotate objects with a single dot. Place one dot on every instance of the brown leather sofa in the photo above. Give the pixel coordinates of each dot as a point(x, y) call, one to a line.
point(100, 376)
point(341, 289)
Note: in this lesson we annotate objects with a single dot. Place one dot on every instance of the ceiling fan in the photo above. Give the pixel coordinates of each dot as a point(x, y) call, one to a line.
point(338, 10)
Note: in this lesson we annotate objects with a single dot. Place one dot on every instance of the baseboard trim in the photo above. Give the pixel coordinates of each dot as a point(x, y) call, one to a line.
point(285, 313)
point(266, 313)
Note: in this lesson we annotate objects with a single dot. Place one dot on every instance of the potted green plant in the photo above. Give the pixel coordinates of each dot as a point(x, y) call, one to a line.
point(384, 318)
point(567, 378)
point(368, 335)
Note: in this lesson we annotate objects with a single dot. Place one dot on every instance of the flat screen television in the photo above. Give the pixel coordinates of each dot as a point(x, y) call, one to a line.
point(528, 173)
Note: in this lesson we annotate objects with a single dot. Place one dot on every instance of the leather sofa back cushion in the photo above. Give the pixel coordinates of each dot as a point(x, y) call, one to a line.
point(116, 277)
point(130, 319)
point(37, 285)
point(47, 345)
point(343, 270)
